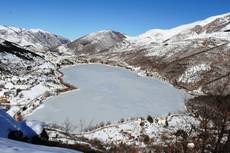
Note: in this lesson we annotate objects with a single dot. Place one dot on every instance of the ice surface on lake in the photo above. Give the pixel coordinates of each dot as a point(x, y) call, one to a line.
point(108, 94)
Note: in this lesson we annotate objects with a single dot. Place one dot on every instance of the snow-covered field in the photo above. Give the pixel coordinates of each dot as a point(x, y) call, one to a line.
point(108, 94)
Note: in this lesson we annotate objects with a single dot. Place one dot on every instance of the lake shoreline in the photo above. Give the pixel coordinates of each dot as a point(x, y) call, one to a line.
point(135, 101)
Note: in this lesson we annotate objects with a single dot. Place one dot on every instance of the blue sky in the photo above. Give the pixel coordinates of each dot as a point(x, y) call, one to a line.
point(74, 18)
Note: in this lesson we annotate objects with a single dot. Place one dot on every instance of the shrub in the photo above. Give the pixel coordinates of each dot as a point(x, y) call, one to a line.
point(149, 119)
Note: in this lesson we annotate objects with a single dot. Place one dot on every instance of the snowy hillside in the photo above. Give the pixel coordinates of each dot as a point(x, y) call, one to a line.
point(133, 132)
point(26, 78)
point(32, 39)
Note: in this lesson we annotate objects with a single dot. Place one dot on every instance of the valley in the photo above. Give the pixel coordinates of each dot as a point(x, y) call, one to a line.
point(138, 85)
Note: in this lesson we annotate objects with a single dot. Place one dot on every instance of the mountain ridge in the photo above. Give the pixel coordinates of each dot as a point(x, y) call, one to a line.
point(32, 39)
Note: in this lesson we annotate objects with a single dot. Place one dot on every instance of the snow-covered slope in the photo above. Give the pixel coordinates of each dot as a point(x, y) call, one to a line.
point(11, 146)
point(133, 132)
point(7, 124)
point(33, 39)
point(138, 132)
point(215, 24)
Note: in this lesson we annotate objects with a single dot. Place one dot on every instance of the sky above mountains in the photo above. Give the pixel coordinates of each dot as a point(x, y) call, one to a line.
point(74, 18)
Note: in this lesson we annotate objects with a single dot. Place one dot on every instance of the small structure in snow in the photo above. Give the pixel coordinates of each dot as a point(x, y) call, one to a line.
point(161, 121)
point(190, 145)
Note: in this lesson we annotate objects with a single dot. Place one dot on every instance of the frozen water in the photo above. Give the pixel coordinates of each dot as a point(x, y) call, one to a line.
point(108, 94)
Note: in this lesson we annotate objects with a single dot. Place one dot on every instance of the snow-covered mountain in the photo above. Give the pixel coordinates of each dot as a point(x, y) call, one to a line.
point(96, 42)
point(192, 56)
point(32, 39)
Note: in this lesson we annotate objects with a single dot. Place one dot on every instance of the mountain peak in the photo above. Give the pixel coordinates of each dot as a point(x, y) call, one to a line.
point(97, 41)
point(35, 39)
point(38, 30)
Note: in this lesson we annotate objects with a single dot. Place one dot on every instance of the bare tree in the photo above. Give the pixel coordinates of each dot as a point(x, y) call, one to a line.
point(213, 113)
point(68, 127)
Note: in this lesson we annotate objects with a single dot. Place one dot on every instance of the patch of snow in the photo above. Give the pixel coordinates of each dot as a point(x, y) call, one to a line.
point(37, 126)
point(192, 74)
point(226, 27)
point(190, 145)
point(34, 92)
point(219, 35)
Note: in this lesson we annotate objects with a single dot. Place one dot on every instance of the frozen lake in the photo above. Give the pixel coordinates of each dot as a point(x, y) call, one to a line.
point(108, 94)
